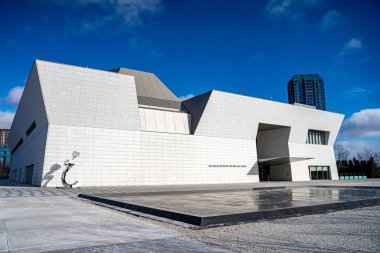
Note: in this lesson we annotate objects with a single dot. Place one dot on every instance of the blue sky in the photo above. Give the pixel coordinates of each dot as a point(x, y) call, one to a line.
point(245, 47)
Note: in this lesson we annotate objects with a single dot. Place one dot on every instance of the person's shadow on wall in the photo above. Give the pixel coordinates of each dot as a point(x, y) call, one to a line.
point(49, 176)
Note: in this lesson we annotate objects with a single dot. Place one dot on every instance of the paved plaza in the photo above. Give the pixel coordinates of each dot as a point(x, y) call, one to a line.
point(39, 220)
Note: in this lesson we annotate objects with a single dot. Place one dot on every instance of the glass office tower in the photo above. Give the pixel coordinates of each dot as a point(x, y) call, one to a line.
point(307, 89)
point(5, 154)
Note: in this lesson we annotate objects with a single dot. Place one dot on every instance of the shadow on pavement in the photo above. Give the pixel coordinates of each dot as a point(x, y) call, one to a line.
point(10, 183)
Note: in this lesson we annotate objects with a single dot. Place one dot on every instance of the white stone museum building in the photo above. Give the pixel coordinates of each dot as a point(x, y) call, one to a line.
point(130, 129)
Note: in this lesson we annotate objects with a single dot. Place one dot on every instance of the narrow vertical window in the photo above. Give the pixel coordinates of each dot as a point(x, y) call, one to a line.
point(316, 137)
point(31, 128)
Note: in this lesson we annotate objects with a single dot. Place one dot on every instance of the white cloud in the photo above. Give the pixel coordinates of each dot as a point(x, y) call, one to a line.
point(352, 45)
point(330, 19)
point(128, 12)
point(13, 98)
point(185, 97)
point(6, 119)
point(288, 8)
point(365, 123)
point(355, 92)
point(14, 95)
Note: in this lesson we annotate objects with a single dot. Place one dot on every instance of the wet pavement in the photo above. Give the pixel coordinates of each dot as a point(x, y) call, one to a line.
point(214, 203)
point(216, 207)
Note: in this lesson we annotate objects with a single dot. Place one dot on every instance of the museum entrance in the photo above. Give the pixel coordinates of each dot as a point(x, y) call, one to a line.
point(273, 152)
point(319, 172)
point(29, 174)
point(264, 172)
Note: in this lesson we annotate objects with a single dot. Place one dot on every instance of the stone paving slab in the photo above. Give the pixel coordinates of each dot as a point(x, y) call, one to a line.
point(16, 192)
point(166, 245)
point(39, 224)
point(355, 230)
point(3, 237)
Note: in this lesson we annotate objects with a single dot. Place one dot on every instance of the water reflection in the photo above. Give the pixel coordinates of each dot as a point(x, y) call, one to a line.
point(285, 198)
point(273, 199)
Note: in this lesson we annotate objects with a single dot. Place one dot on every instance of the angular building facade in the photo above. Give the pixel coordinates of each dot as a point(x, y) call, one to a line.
point(130, 129)
point(307, 89)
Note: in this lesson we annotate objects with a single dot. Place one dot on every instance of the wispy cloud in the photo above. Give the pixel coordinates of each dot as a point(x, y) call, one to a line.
point(288, 9)
point(362, 91)
point(354, 44)
point(365, 123)
point(330, 19)
point(278, 7)
point(6, 119)
point(185, 97)
point(355, 91)
point(128, 13)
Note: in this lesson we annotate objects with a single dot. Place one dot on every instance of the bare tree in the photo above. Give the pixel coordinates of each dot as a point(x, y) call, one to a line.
point(365, 155)
point(376, 157)
point(371, 160)
point(368, 154)
point(340, 152)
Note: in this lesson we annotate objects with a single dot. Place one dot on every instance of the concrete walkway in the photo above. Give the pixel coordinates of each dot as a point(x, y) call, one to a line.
point(38, 220)
point(36, 224)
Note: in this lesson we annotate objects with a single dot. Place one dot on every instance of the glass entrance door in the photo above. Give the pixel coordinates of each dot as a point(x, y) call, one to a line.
point(29, 174)
point(264, 172)
point(319, 173)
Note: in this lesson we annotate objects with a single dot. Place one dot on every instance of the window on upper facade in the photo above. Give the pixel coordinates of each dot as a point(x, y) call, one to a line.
point(31, 128)
point(317, 137)
point(17, 146)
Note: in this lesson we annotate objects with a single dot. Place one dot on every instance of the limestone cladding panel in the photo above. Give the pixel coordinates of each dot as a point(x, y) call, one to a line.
point(31, 108)
point(273, 143)
point(76, 96)
point(96, 113)
point(32, 150)
point(154, 120)
point(121, 157)
point(322, 155)
point(236, 116)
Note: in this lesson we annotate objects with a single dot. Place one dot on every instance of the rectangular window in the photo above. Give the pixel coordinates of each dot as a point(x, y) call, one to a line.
point(17, 145)
point(31, 128)
point(316, 137)
point(319, 173)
